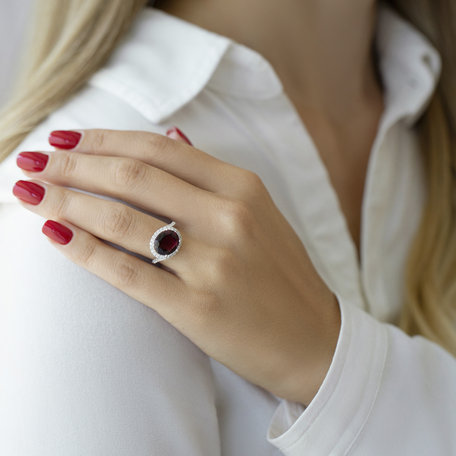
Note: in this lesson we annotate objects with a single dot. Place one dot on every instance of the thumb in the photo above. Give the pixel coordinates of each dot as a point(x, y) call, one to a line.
point(175, 133)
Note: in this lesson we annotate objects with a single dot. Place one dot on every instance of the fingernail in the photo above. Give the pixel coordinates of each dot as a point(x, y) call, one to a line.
point(32, 161)
point(29, 192)
point(177, 132)
point(57, 232)
point(64, 139)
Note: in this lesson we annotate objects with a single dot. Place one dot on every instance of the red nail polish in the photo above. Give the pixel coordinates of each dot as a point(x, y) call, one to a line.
point(32, 161)
point(29, 192)
point(64, 139)
point(176, 130)
point(57, 232)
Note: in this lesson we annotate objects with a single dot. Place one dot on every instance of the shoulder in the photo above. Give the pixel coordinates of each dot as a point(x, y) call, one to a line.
point(91, 107)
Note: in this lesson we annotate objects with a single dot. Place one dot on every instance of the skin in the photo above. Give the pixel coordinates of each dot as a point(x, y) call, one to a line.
point(280, 335)
point(324, 60)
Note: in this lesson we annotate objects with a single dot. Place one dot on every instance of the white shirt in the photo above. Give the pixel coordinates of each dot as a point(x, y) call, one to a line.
point(87, 370)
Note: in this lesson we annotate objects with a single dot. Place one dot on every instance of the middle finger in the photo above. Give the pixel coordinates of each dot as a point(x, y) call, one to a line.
point(130, 180)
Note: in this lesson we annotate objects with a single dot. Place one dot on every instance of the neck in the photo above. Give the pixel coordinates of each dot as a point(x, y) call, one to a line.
point(320, 49)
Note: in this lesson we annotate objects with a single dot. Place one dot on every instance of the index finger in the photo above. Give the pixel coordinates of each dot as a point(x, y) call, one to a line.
point(182, 160)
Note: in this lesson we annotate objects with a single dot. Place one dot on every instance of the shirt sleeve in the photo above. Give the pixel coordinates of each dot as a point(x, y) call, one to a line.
point(385, 393)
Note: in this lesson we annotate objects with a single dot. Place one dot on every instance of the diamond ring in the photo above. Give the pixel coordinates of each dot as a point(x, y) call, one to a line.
point(165, 243)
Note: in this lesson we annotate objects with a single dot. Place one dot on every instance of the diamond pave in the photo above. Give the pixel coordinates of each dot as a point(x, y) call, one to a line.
point(165, 239)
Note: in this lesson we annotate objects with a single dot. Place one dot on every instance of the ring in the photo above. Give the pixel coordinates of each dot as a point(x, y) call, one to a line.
point(165, 242)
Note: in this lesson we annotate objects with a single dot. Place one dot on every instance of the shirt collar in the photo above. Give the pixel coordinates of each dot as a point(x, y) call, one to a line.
point(164, 62)
point(409, 64)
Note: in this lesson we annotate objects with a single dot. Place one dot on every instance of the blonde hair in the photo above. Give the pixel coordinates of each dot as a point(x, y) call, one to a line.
point(74, 38)
point(430, 286)
point(70, 40)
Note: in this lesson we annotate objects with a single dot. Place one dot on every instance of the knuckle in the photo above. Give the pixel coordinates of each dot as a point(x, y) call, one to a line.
point(86, 254)
point(128, 173)
point(67, 165)
point(237, 218)
point(117, 222)
point(98, 139)
point(158, 143)
point(125, 274)
point(251, 178)
point(63, 201)
point(251, 184)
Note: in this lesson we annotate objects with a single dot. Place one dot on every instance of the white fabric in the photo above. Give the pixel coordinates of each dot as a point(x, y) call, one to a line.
point(14, 20)
point(86, 370)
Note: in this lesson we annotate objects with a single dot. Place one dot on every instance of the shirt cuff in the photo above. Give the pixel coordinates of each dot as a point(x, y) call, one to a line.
point(335, 417)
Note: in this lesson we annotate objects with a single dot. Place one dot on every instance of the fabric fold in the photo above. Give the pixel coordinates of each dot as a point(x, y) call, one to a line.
point(336, 415)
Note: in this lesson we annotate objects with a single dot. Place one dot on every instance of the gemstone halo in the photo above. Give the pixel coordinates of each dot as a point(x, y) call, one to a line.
point(165, 242)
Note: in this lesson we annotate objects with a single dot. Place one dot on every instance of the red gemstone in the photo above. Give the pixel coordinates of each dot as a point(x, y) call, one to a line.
point(166, 242)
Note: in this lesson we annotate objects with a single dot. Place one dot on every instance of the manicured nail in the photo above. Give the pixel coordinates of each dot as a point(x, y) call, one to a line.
point(32, 161)
point(29, 192)
point(64, 139)
point(57, 232)
point(176, 131)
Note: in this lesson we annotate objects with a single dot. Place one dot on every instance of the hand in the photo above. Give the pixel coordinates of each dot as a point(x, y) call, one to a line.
point(241, 287)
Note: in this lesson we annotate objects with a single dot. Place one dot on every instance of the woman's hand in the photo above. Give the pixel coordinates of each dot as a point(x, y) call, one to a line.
point(241, 287)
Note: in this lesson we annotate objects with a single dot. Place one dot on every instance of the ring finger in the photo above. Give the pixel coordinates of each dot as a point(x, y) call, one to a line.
point(109, 220)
